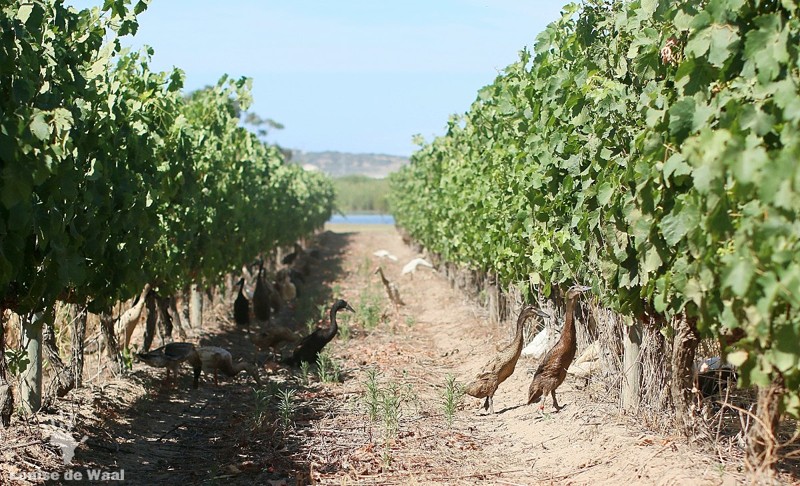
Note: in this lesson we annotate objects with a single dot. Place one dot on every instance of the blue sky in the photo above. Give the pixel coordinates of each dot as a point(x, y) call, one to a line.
point(358, 76)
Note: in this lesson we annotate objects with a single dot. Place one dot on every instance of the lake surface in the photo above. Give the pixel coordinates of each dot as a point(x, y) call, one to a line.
point(362, 219)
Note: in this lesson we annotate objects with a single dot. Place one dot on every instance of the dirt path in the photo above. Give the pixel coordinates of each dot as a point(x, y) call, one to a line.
point(588, 442)
point(385, 420)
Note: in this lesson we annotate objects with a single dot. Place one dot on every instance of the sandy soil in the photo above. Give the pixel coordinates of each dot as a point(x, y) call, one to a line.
point(384, 421)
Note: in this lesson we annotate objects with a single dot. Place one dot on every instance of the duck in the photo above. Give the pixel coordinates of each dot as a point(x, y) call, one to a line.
point(216, 359)
point(385, 254)
point(273, 337)
point(714, 376)
point(587, 363)
point(391, 289)
point(241, 306)
point(289, 258)
point(169, 356)
point(310, 346)
point(300, 261)
point(553, 369)
point(286, 288)
point(502, 365)
point(540, 344)
point(411, 267)
point(261, 297)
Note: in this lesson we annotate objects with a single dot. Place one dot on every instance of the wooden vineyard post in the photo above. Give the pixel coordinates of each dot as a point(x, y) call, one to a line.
point(196, 307)
point(6, 397)
point(632, 366)
point(31, 382)
point(493, 299)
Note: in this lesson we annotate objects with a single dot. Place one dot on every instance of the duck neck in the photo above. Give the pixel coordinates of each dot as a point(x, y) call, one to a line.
point(334, 327)
point(229, 369)
point(568, 334)
point(234, 370)
point(517, 342)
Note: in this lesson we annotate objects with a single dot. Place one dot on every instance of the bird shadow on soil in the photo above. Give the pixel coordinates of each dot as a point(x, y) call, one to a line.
point(235, 432)
point(512, 407)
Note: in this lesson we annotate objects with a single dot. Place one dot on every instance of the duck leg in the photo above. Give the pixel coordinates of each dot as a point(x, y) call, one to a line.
point(491, 404)
point(555, 402)
point(196, 381)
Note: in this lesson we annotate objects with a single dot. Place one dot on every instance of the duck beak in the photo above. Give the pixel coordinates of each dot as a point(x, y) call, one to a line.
point(539, 312)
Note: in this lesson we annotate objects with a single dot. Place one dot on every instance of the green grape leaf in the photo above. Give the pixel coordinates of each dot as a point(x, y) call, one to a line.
point(739, 276)
point(39, 127)
point(679, 222)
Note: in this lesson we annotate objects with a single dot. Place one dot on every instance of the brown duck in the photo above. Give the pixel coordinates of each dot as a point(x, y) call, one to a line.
point(261, 301)
point(272, 337)
point(215, 359)
point(169, 356)
point(553, 368)
point(391, 289)
point(502, 366)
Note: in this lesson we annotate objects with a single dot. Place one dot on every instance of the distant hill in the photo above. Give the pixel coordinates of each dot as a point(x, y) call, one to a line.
point(338, 164)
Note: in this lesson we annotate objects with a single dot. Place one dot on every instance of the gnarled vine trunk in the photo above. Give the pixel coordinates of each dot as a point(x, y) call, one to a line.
point(762, 444)
point(683, 351)
point(162, 303)
point(63, 379)
point(130, 318)
point(150, 321)
point(177, 317)
point(495, 302)
point(107, 321)
point(78, 320)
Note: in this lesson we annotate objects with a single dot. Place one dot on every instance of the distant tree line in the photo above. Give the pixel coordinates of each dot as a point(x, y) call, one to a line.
point(361, 194)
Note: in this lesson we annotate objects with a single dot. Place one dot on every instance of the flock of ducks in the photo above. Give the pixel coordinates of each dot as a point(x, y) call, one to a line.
point(272, 302)
point(552, 368)
point(271, 299)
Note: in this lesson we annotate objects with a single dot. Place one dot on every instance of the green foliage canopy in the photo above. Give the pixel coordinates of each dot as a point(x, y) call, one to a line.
point(649, 148)
point(111, 178)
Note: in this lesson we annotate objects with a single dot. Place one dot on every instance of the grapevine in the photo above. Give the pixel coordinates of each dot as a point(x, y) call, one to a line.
point(648, 148)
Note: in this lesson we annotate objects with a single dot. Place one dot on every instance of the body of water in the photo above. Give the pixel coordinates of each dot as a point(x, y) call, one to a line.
point(362, 219)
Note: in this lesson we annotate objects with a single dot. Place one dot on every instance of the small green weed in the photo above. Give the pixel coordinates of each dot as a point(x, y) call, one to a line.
point(390, 408)
point(453, 392)
point(286, 407)
point(373, 392)
point(305, 372)
point(328, 369)
point(261, 405)
point(369, 309)
point(345, 329)
point(17, 360)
